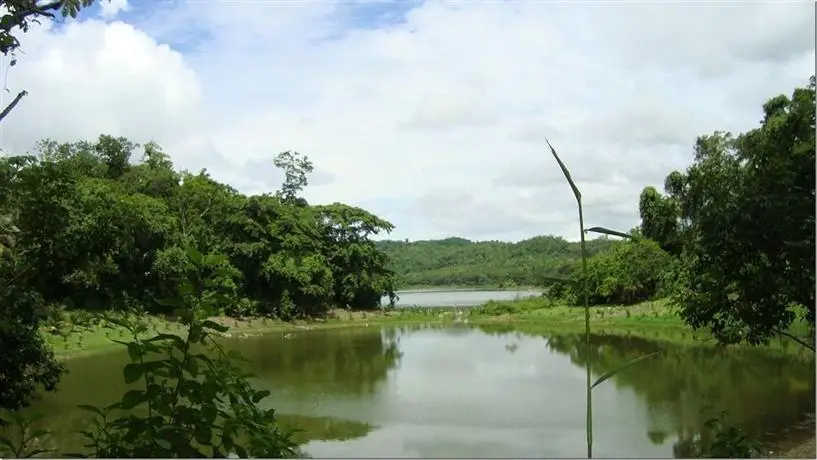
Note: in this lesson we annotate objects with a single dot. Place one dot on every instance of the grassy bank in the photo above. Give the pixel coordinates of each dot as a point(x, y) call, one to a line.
point(97, 335)
point(656, 320)
point(649, 320)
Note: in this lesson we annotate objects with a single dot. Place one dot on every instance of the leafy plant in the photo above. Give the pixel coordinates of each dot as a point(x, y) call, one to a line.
point(26, 361)
point(589, 386)
point(24, 441)
point(722, 440)
point(194, 402)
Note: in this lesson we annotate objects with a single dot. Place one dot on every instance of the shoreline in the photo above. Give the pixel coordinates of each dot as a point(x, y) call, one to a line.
point(650, 320)
point(436, 288)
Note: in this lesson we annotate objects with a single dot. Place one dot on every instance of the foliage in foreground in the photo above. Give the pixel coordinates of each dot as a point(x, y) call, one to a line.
point(26, 362)
point(194, 401)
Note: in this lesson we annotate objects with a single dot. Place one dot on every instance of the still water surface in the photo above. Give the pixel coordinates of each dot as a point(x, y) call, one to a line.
point(420, 391)
point(455, 298)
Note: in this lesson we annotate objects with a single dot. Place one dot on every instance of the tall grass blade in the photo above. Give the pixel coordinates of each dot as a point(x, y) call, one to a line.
point(588, 387)
point(576, 192)
point(607, 231)
point(621, 368)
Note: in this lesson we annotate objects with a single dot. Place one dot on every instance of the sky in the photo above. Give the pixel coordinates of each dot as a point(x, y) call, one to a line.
point(432, 115)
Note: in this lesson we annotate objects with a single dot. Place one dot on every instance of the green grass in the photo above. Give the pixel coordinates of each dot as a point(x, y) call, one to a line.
point(656, 320)
point(98, 335)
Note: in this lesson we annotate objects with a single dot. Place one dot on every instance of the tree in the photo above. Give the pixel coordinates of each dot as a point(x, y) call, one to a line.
point(747, 205)
point(659, 219)
point(103, 233)
point(629, 272)
point(297, 168)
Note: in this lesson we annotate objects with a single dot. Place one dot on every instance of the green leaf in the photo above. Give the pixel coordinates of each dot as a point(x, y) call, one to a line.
point(259, 395)
point(132, 372)
point(192, 366)
point(134, 351)
point(162, 443)
point(194, 255)
point(215, 326)
point(172, 337)
point(170, 302)
point(576, 191)
point(621, 368)
point(7, 442)
point(37, 452)
point(209, 413)
point(38, 434)
point(607, 231)
point(203, 434)
point(132, 399)
point(90, 408)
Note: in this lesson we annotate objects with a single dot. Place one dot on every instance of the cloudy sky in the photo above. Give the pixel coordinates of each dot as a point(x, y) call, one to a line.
point(431, 114)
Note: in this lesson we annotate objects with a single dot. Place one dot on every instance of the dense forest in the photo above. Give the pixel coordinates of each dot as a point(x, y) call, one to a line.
point(461, 262)
point(87, 227)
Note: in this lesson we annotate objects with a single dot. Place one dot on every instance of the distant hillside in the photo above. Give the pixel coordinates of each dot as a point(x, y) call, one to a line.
point(461, 262)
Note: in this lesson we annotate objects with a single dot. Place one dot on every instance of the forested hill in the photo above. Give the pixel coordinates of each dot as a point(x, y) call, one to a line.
point(461, 262)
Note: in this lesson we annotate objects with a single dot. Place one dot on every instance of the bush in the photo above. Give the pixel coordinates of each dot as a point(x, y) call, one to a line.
point(191, 404)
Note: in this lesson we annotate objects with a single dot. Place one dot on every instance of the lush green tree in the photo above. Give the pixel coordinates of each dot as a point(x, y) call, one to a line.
point(358, 266)
point(744, 223)
point(26, 362)
point(630, 272)
point(296, 168)
point(659, 219)
point(104, 232)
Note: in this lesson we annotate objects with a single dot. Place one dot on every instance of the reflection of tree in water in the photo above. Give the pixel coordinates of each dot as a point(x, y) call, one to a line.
point(344, 360)
point(684, 386)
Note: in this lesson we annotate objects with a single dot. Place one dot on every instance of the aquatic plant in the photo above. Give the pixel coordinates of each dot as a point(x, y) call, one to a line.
point(582, 231)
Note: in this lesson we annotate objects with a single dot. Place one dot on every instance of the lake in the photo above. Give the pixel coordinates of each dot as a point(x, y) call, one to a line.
point(455, 298)
point(433, 391)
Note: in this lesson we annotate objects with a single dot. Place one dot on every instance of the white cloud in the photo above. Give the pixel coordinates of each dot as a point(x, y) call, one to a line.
point(111, 8)
point(91, 78)
point(437, 122)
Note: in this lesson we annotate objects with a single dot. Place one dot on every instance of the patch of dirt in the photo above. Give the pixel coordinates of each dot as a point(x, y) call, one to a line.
point(798, 442)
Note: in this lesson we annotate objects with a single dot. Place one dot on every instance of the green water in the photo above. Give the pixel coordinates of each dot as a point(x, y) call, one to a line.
point(460, 392)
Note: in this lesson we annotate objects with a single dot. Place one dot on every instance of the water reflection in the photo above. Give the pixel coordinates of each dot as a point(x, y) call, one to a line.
point(439, 391)
point(684, 386)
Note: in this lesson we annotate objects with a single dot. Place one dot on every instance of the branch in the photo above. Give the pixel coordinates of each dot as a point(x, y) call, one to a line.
point(13, 104)
point(43, 10)
point(34, 10)
point(786, 334)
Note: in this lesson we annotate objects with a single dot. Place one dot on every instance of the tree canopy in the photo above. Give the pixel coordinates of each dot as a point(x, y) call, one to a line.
point(88, 226)
point(457, 261)
point(741, 218)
